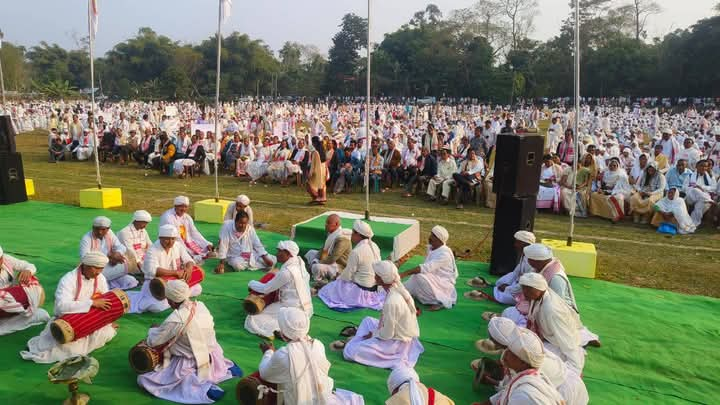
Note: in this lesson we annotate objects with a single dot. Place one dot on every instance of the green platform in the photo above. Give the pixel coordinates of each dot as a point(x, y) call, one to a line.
point(659, 347)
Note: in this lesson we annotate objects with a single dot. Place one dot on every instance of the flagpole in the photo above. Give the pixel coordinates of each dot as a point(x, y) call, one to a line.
point(2, 79)
point(368, 138)
point(217, 100)
point(91, 30)
point(576, 121)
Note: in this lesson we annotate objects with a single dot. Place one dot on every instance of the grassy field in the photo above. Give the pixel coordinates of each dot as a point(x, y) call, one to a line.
point(628, 254)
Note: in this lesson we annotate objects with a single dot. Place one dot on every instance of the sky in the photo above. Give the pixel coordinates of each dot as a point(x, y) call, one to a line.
point(312, 22)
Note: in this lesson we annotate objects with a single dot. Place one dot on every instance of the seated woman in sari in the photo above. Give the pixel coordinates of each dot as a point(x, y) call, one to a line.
point(672, 209)
point(649, 189)
point(549, 193)
point(317, 178)
point(583, 179)
point(258, 168)
point(614, 189)
point(276, 169)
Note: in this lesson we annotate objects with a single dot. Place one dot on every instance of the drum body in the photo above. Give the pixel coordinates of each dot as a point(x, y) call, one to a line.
point(144, 358)
point(71, 327)
point(18, 292)
point(256, 302)
point(487, 368)
point(247, 391)
point(157, 285)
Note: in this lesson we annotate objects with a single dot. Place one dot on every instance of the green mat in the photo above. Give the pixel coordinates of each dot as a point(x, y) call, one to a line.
point(658, 347)
point(311, 234)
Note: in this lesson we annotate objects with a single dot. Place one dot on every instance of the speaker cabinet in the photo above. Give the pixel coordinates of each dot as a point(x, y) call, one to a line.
point(7, 135)
point(512, 214)
point(517, 164)
point(12, 179)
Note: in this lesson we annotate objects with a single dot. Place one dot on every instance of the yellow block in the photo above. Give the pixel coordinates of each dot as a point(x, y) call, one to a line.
point(29, 187)
point(579, 260)
point(211, 211)
point(100, 198)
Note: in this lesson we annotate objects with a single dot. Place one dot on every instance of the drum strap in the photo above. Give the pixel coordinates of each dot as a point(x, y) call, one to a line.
point(79, 284)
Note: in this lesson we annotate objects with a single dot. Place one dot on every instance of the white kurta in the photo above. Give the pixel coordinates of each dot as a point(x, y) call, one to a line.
point(173, 259)
point(292, 282)
point(189, 234)
point(512, 281)
point(137, 242)
point(116, 275)
point(44, 348)
point(530, 387)
point(24, 318)
point(179, 378)
point(435, 284)
point(242, 251)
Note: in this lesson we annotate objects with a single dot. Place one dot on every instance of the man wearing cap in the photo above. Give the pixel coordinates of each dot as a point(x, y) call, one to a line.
point(670, 145)
point(356, 287)
point(240, 246)
point(77, 292)
point(541, 260)
point(405, 388)
point(103, 240)
point(326, 263)
point(19, 272)
point(193, 361)
point(196, 244)
point(292, 282)
point(242, 203)
point(136, 239)
point(433, 282)
point(166, 257)
point(300, 368)
point(507, 287)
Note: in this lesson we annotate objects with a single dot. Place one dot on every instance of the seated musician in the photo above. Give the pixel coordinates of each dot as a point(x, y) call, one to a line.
point(406, 389)
point(300, 369)
point(165, 257)
point(193, 360)
point(194, 241)
point(433, 282)
point(355, 287)
point(77, 292)
point(240, 246)
point(292, 282)
point(103, 240)
point(136, 239)
point(19, 315)
point(331, 260)
point(395, 340)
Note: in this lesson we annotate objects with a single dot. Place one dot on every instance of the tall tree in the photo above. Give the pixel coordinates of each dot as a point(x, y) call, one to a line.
point(639, 12)
point(15, 69)
point(520, 14)
point(344, 53)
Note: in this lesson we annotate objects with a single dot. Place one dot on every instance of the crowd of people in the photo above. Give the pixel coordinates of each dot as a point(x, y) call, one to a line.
point(633, 161)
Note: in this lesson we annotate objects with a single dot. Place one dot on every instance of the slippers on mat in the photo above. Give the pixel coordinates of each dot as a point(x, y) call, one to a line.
point(478, 282)
point(487, 346)
point(337, 346)
point(477, 295)
point(348, 331)
point(488, 315)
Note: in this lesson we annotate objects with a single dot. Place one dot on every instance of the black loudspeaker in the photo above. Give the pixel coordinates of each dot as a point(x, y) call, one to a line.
point(12, 179)
point(512, 214)
point(7, 134)
point(517, 164)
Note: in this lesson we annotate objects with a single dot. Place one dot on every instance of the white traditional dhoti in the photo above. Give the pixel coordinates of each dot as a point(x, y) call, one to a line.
point(240, 263)
point(573, 389)
point(701, 203)
point(381, 353)
point(143, 301)
point(22, 319)
point(45, 349)
point(83, 152)
point(516, 316)
point(118, 277)
point(430, 289)
point(265, 323)
point(179, 165)
point(342, 294)
point(257, 170)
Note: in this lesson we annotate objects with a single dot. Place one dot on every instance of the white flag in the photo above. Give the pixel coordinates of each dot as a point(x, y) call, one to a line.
point(226, 10)
point(93, 18)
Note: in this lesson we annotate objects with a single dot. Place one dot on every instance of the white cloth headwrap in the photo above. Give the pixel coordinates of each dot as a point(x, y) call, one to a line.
point(142, 216)
point(168, 231)
point(441, 233)
point(502, 330)
point(290, 246)
point(177, 291)
point(525, 236)
point(243, 199)
point(534, 280)
point(538, 251)
point(387, 271)
point(402, 375)
point(101, 222)
point(528, 347)
point(95, 259)
point(181, 200)
point(363, 228)
point(294, 323)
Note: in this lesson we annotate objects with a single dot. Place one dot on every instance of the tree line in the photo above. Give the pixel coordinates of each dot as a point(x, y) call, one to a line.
point(484, 51)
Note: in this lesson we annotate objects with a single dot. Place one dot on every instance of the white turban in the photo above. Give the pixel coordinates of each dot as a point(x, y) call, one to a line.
point(168, 231)
point(538, 251)
point(525, 236)
point(95, 259)
point(293, 323)
point(177, 291)
point(402, 375)
point(181, 200)
point(290, 246)
point(363, 228)
point(502, 330)
point(142, 216)
point(534, 280)
point(243, 199)
point(101, 222)
point(387, 271)
point(528, 347)
point(440, 233)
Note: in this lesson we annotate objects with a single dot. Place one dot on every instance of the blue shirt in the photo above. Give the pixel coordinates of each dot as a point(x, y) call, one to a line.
point(675, 179)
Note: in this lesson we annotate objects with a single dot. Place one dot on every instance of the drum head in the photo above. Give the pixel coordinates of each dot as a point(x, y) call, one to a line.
point(247, 393)
point(140, 360)
point(62, 331)
point(253, 304)
point(157, 288)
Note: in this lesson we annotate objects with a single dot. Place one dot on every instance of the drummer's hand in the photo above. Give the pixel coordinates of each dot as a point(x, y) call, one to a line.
point(210, 248)
point(115, 325)
point(23, 277)
point(368, 336)
point(188, 267)
point(268, 262)
point(116, 257)
point(101, 303)
point(184, 275)
point(265, 346)
point(220, 268)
